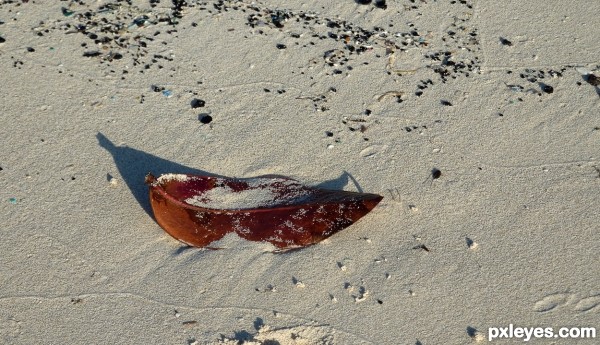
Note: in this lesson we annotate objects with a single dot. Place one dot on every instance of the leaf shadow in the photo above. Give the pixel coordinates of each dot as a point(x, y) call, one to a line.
point(133, 165)
point(340, 182)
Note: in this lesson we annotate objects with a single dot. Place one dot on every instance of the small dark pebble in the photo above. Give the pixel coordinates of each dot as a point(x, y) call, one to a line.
point(156, 88)
point(66, 12)
point(2, 39)
point(368, 112)
point(446, 103)
point(140, 21)
point(546, 88)
point(31, 50)
point(592, 80)
point(328, 133)
point(379, 301)
point(436, 173)
point(422, 247)
point(505, 42)
point(205, 118)
point(381, 4)
point(281, 46)
point(277, 23)
point(197, 103)
point(92, 54)
point(363, 2)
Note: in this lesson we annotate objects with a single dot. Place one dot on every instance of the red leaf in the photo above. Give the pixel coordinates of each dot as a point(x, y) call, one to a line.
point(198, 210)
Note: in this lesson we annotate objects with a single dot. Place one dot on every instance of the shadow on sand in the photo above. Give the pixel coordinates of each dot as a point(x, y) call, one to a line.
point(133, 165)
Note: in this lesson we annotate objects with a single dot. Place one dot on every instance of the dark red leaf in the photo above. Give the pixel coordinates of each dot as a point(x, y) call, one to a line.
point(198, 210)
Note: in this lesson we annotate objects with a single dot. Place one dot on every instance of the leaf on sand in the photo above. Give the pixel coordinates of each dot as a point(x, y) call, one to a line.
point(199, 210)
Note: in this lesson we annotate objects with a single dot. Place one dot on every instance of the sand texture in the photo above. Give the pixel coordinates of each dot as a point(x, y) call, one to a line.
point(478, 121)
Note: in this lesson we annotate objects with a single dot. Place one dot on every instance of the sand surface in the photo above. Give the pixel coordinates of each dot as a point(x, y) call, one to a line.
point(494, 94)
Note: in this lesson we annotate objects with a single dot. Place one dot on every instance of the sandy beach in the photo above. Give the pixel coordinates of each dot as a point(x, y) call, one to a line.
point(477, 121)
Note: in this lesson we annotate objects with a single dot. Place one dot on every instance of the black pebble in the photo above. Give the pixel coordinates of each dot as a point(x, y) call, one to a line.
point(381, 4)
point(592, 79)
point(156, 88)
point(329, 134)
point(446, 103)
point(205, 118)
point(436, 173)
point(363, 2)
point(2, 40)
point(505, 42)
point(197, 103)
point(281, 46)
point(91, 54)
point(31, 50)
point(546, 88)
point(276, 21)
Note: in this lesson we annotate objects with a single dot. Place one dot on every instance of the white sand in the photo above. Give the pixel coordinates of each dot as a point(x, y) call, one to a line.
point(171, 177)
point(261, 192)
point(511, 226)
